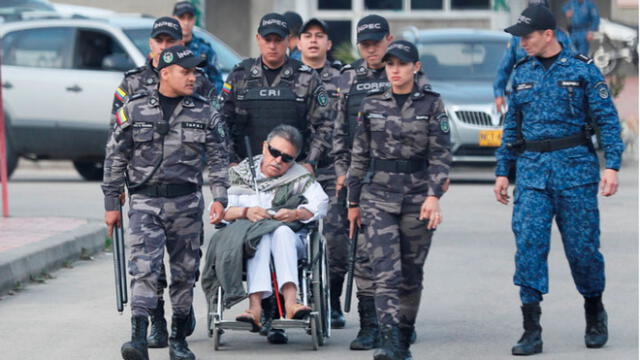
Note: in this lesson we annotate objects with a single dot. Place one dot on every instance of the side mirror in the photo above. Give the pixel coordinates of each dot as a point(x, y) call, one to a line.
point(117, 62)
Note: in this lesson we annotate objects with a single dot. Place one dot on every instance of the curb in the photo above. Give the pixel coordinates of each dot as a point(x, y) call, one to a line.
point(20, 264)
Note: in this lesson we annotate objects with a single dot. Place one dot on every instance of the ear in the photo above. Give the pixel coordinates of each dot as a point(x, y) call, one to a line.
point(258, 37)
point(330, 44)
point(390, 37)
point(417, 66)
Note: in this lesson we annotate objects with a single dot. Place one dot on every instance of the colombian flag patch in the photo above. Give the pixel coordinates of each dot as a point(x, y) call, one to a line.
point(226, 88)
point(121, 118)
point(120, 94)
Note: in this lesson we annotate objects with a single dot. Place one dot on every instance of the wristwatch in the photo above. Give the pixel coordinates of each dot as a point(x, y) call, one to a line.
point(353, 205)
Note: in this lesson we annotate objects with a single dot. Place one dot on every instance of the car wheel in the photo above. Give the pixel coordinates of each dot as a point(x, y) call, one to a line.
point(12, 157)
point(89, 170)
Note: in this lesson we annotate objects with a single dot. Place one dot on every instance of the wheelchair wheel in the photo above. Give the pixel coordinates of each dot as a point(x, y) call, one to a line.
point(316, 332)
point(320, 288)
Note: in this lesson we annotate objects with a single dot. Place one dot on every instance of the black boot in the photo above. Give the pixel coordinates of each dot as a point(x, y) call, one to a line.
point(191, 322)
point(337, 318)
point(178, 348)
point(270, 312)
point(159, 336)
point(369, 335)
point(390, 344)
point(407, 337)
point(136, 349)
point(531, 341)
point(596, 334)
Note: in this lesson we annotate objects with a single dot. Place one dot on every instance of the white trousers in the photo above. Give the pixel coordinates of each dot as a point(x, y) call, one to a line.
point(284, 245)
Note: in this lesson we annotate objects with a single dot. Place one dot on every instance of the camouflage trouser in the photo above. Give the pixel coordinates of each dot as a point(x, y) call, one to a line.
point(398, 244)
point(336, 225)
point(155, 223)
point(577, 216)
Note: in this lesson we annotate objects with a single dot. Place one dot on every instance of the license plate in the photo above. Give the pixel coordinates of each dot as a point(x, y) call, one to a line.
point(490, 138)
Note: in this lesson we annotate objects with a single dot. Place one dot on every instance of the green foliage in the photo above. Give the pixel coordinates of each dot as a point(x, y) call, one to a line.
point(344, 52)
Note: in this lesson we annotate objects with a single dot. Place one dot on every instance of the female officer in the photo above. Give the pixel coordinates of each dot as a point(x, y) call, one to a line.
point(399, 170)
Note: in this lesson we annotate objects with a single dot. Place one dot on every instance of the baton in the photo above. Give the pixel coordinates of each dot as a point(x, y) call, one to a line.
point(352, 264)
point(119, 266)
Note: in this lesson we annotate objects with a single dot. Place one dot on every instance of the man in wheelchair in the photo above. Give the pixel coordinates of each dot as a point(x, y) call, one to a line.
point(270, 224)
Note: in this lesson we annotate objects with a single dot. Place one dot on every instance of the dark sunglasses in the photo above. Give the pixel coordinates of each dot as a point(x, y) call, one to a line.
point(277, 153)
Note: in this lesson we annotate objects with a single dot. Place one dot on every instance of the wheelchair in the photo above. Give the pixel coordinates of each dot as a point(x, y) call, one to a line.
point(313, 275)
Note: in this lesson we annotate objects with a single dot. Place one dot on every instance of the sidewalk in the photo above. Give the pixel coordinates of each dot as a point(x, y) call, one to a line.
point(30, 246)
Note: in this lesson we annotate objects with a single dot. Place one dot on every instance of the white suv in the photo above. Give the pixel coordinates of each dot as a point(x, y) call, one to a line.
point(58, 79)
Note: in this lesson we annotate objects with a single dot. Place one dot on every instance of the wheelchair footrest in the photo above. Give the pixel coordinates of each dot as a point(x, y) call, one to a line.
point(293, 324)
point(233, 325)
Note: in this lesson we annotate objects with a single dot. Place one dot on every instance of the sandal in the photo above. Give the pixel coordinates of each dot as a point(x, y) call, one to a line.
point(250, 318)
point(298, 312)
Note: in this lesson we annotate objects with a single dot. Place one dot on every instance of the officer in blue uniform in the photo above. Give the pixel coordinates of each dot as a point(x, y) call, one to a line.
point(515, 53)
point(546, 141)
point(583, 19)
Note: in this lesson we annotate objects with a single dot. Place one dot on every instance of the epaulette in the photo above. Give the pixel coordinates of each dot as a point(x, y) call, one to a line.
point(584, 58)
point(244, 64)
point(521, 61)
point(134, 71)
point(377, 91)
point(427, 90)
point(336, 64)
point(138, 95)
point(346, 67)
point(200, 97)
point(305, 68)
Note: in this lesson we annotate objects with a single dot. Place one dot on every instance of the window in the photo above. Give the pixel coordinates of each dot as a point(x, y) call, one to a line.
point(383, 4)
point(470, 4)
point(96, 50)
point(340, 35)
point(426, 4)
point(334, 4)
point(43, 48)
point(473, 60)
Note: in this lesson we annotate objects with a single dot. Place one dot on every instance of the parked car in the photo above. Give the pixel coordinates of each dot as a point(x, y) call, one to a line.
point(58, 79)
point(461, 65)
point(16, 10)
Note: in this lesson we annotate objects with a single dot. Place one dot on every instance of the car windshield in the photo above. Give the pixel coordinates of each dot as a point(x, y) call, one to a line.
point(227, 59)
point(461, 59)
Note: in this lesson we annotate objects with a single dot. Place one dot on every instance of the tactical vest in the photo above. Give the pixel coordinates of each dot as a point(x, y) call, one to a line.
point(358, 91)
point(266, 107)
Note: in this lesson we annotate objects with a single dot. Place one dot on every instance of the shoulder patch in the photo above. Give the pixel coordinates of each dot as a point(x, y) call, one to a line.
point(584, 58)
point(521, 61)
point(121, 118)
point(443, 119)
point(134, 71)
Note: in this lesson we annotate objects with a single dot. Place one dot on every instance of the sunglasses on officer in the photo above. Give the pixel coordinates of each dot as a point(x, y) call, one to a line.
point(286, 158)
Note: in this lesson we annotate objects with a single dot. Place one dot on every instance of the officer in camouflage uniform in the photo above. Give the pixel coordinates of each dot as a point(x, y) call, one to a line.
point(399, 169)
point(547, 139)
point(356, 80)
point(313, 44)
point(156, 148)
point(166, 32)
point(271, 90)
point(185, 13)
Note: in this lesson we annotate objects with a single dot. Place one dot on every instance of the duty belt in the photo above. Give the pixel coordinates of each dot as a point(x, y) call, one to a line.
point(165, 190)
point(399, 166)
point(556, 144)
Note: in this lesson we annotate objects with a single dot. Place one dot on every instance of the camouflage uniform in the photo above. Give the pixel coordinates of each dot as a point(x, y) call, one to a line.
point(335, 223)
point(250, 106)
point(202, 48)
point(355, 82)
point(558, 103)
point(137, 151)
point(400, 156)
point(145, 79)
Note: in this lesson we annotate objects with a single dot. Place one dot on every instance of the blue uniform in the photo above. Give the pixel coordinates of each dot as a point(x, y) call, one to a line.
point(200, 47)
point(585, 18)
point(516, 53)
point(295, 54)
point(554, 103)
